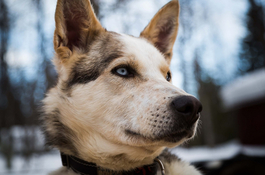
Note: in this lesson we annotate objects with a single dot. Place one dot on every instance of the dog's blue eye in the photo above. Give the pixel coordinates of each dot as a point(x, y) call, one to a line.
point(122, 71)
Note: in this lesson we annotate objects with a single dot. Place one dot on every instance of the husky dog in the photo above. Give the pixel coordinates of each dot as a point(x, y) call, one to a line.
point(114, 109)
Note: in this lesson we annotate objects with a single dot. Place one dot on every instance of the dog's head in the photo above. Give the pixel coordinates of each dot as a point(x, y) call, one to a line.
point(114, 92)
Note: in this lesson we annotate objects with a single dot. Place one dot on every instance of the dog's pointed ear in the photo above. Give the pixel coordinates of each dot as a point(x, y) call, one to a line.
point(76, 26)
point(163, 28)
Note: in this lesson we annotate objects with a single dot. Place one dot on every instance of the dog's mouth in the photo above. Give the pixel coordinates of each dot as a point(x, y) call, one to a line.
point(172, 135)
point(132, 133)
point(167, 136)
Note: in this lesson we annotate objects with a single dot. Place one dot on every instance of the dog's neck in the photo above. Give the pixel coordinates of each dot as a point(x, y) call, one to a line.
point(82, 167)
point(114, 156)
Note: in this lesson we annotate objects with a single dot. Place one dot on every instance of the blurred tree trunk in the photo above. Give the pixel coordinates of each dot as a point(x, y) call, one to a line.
point(208, 95)
point(45, 63)
point(253, 45)
point(7, 99)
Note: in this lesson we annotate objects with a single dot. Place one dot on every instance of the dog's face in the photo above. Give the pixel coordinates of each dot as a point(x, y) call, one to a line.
point(114, 90)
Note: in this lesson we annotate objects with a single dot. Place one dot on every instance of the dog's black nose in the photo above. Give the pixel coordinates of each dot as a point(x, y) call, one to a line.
point(187, 106)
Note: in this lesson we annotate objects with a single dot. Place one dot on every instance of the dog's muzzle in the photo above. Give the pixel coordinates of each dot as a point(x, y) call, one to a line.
point(185, 112)
point(176, 123)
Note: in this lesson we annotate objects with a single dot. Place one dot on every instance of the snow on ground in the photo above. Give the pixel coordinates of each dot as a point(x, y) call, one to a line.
point(42, 164)
point(37, 165)
point(221, 152)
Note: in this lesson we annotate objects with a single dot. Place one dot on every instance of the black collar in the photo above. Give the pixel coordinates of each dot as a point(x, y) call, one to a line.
point(85, 168)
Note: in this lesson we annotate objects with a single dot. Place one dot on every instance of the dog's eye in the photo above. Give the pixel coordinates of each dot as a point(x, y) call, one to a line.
point(122, 71)
point(168, 76)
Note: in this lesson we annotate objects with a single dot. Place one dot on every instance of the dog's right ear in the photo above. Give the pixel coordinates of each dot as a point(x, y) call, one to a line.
point(76, 26)
point(163, 28)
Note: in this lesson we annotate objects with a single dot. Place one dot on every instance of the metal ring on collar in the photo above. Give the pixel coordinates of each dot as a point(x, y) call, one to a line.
point(161, 165)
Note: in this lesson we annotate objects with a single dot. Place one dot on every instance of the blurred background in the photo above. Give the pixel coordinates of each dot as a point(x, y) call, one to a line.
point(219, 57)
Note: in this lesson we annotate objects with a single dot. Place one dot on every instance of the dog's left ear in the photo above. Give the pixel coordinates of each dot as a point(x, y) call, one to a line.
point(163, 28)
point(76, 26)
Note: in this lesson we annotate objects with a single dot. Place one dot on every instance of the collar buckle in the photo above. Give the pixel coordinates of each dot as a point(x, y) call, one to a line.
point(162, 167)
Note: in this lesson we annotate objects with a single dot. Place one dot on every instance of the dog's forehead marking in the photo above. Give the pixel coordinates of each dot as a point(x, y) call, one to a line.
point(146, 55)
point(89, 67)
